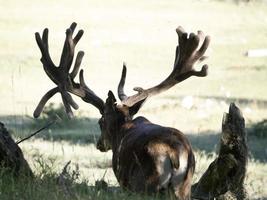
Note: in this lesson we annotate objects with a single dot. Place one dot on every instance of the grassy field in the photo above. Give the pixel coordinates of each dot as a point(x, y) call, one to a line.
point(141, 33)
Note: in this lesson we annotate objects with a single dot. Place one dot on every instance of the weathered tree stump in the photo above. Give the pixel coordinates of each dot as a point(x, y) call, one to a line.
point(11, 156)
point(224, 178)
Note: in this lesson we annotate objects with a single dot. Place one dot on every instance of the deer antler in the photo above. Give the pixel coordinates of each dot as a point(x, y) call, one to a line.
point(190, 50)
point(60, 75)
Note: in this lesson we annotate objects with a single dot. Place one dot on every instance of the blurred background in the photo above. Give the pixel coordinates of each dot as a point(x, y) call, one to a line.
point(142, 34)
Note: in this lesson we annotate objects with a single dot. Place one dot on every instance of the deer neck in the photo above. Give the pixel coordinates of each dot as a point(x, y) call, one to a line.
point(119, 134)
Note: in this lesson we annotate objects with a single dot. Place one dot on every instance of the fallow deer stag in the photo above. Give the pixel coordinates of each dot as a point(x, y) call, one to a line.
point(146, 157)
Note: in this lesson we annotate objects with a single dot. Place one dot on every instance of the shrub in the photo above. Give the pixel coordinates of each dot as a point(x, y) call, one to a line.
point(258, 129)
point(54, 112)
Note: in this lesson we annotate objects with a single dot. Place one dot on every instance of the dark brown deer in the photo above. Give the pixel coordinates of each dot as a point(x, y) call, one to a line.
point(146, 157)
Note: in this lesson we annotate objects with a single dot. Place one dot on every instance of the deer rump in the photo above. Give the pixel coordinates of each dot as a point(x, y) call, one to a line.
point(152, 158)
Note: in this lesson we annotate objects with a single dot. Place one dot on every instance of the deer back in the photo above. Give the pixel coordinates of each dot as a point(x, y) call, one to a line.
point(150, 157)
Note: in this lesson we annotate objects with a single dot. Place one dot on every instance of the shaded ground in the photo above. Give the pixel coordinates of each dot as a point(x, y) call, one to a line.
point(86, 131)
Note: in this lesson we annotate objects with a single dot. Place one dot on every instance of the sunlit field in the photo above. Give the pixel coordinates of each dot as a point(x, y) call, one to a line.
point(142, 34)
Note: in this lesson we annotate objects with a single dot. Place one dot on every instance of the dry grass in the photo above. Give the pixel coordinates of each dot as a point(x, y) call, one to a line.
point(93, 164)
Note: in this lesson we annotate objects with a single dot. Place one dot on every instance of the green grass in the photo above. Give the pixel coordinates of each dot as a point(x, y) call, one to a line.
point(46, 186)
point(142, 34)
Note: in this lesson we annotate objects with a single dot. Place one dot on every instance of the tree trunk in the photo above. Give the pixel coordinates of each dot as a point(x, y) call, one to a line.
point(11, 156)
point(224, 179)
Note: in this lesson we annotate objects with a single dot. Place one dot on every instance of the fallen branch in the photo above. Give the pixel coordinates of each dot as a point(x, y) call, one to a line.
point(36, 132)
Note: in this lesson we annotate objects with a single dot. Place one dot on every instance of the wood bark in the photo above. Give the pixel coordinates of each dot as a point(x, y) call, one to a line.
point(224, 178)
point(11, 156)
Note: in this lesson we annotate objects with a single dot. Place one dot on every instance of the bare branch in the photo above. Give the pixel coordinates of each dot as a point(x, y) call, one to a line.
point(36, 132)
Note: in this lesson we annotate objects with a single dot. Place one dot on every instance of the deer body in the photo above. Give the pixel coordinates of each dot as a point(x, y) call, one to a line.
point(151, 158)
point(146, 157)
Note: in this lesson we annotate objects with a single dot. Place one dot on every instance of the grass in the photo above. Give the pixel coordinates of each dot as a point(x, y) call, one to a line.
point(48, 159)
point(142, 34)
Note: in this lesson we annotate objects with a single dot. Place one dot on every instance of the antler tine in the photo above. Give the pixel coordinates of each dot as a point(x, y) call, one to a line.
point(45, 38)
point(48, 64)
point(66, 47)
point(204, 46)
point(121, 94)
point(45, 46)
point(78, 37)
point(43, 101)
point(187, 54)
point(90, 96)
point(129, 101)
point(68, 103)
point(77, 64)
point(69, 46)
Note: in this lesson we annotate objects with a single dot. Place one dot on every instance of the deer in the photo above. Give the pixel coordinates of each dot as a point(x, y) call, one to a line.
point(147, 158)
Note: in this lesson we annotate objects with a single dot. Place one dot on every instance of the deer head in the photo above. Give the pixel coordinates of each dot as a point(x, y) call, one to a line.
point(113, 118)
point(119, 131)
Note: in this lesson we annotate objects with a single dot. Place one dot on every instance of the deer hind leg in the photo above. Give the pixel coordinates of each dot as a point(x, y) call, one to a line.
point(182, 190)
point(181, 179)
point(164, 169)
point(161, 178)
point(152, 177)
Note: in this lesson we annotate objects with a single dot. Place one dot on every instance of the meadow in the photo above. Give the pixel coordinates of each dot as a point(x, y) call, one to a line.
point(141, 33)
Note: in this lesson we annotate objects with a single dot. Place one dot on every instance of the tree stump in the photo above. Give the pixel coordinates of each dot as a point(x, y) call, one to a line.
point(11, 156)
point(224, 178)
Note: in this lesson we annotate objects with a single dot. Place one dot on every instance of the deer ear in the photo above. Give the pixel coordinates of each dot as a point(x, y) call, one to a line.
point(111, 96)
point(135, 108)
point(111, 100)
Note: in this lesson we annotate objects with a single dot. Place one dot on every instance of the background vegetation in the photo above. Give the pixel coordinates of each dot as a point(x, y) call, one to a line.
point(142, 34)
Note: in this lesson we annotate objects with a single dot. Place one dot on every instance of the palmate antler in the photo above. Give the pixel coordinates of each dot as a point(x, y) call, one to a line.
point(190, 50)
point(60, 75)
